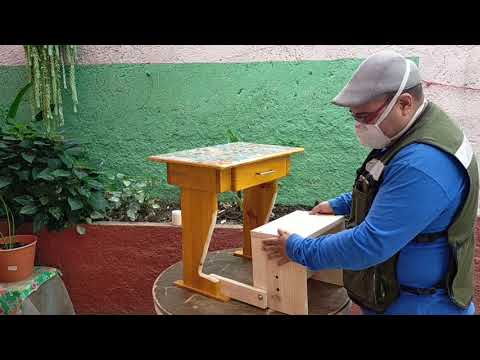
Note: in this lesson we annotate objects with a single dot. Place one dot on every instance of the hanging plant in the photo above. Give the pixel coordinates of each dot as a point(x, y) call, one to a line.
point(47, 73)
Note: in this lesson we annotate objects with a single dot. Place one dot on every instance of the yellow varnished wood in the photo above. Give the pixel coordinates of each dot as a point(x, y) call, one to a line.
point(215, 294)
point(224, 180)
point(199, 214)
point(202, 174)
point(258, 202)
point(199, 178)
point(192, 177)
point(249, 175)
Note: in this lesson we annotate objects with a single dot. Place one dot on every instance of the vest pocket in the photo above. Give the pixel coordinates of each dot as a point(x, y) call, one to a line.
point(361, 202)
point(363, 287)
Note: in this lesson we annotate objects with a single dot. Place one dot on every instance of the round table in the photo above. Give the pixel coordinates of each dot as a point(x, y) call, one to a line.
point(169, 299)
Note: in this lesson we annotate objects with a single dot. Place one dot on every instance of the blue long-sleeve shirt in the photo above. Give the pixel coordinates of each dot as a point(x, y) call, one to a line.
point(422, 189)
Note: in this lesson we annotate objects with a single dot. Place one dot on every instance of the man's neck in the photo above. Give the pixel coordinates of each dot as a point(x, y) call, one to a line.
point(416, 115)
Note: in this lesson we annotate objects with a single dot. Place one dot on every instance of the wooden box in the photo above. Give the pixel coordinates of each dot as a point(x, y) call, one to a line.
point(286, 285)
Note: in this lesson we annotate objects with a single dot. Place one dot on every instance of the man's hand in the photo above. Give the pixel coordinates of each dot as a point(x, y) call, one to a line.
point(277, 247)
point(322, 208)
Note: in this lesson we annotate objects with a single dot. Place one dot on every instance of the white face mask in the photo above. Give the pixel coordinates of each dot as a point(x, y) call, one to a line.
point(371, 135)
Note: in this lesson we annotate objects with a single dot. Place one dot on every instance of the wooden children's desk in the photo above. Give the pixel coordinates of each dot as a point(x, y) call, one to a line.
point(205, 172)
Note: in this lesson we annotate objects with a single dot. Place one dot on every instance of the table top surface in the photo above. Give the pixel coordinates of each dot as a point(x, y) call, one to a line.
point(323, 298)
point(226, 155)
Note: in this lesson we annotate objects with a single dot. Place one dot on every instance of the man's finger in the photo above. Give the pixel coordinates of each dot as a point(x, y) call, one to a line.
point(270, 238)
point(274, 255)
point(282, 261)
point(270, 242)
point(269, 247)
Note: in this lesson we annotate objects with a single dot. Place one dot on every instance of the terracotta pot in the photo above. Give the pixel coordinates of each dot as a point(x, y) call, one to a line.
point(17, 264)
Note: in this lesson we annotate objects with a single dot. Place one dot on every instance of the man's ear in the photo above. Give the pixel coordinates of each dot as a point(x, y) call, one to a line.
point(406, 103)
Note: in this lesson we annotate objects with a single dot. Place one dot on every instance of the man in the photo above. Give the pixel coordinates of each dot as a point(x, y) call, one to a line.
point(408, 246)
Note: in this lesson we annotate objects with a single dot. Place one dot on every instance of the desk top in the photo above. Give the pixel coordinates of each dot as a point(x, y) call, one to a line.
point(226, 155)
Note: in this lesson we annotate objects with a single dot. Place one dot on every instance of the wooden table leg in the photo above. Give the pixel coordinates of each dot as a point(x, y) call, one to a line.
point(199, 215)
point(258, 203)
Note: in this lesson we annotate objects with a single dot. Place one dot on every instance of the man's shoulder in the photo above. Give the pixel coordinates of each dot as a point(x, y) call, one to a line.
point(430, 160)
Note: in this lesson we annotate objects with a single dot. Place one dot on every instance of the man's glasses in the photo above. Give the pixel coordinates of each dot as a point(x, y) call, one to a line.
point(369, 117)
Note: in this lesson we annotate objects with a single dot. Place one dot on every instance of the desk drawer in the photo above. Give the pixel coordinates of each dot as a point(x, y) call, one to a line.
point(258, 173)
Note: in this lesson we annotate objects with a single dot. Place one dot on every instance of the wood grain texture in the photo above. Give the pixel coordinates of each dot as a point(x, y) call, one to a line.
point(286, 285)
point(242, 292)
point(258, 203)
point(199, 214)
point(249, 175)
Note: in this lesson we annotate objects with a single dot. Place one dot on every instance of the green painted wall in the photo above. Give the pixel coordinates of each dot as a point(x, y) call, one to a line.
point(128, 112)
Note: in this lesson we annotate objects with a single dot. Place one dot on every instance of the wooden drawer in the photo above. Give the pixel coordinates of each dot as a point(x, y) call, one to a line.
point(249, 175)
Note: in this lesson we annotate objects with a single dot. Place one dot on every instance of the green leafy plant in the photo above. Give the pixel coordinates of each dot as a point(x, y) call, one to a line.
point(129, 195)
point(12, 111)
point(46, 179)
point(46, 65)
point(8, 241)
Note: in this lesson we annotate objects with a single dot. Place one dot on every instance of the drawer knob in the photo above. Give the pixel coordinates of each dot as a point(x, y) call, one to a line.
point(265, 172)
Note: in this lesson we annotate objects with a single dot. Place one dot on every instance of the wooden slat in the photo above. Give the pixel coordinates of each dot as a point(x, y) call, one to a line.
point(191, 177)
point(242, 292)
point(199, 214)
point(259, 261)
point(258, 202)
point(287, 288)
point(224, 180)
point(302, 223)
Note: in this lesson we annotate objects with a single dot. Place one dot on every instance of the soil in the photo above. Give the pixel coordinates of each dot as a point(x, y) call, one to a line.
point(10, 246)
point(228, 213)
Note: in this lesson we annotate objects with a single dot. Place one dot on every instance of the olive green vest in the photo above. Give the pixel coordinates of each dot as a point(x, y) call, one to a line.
point(377, 287)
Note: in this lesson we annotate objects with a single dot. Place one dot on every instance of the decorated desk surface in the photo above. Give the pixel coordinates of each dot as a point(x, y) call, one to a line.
point(226, 155)
point(13, 294)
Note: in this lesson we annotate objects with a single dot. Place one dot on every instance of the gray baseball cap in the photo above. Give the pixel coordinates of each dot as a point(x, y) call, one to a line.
point(378, 74)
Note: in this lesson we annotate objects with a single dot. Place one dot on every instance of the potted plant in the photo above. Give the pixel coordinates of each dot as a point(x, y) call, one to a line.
point(17, 252)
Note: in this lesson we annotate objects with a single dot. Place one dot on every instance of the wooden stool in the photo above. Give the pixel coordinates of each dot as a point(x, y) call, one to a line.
point(284, 288)
point(168, 299)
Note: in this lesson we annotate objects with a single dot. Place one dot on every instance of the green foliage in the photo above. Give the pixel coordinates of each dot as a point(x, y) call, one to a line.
point(126, 194)
point(12, 111)
point(232, 137)
point(45, 179)
point(46, 64)
point(8, 240)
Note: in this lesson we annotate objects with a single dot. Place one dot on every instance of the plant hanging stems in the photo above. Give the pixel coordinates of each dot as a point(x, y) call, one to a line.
point(47, 64)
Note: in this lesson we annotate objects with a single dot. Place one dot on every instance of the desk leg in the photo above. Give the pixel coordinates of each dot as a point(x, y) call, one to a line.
point(199, 215)
point(258, 203)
